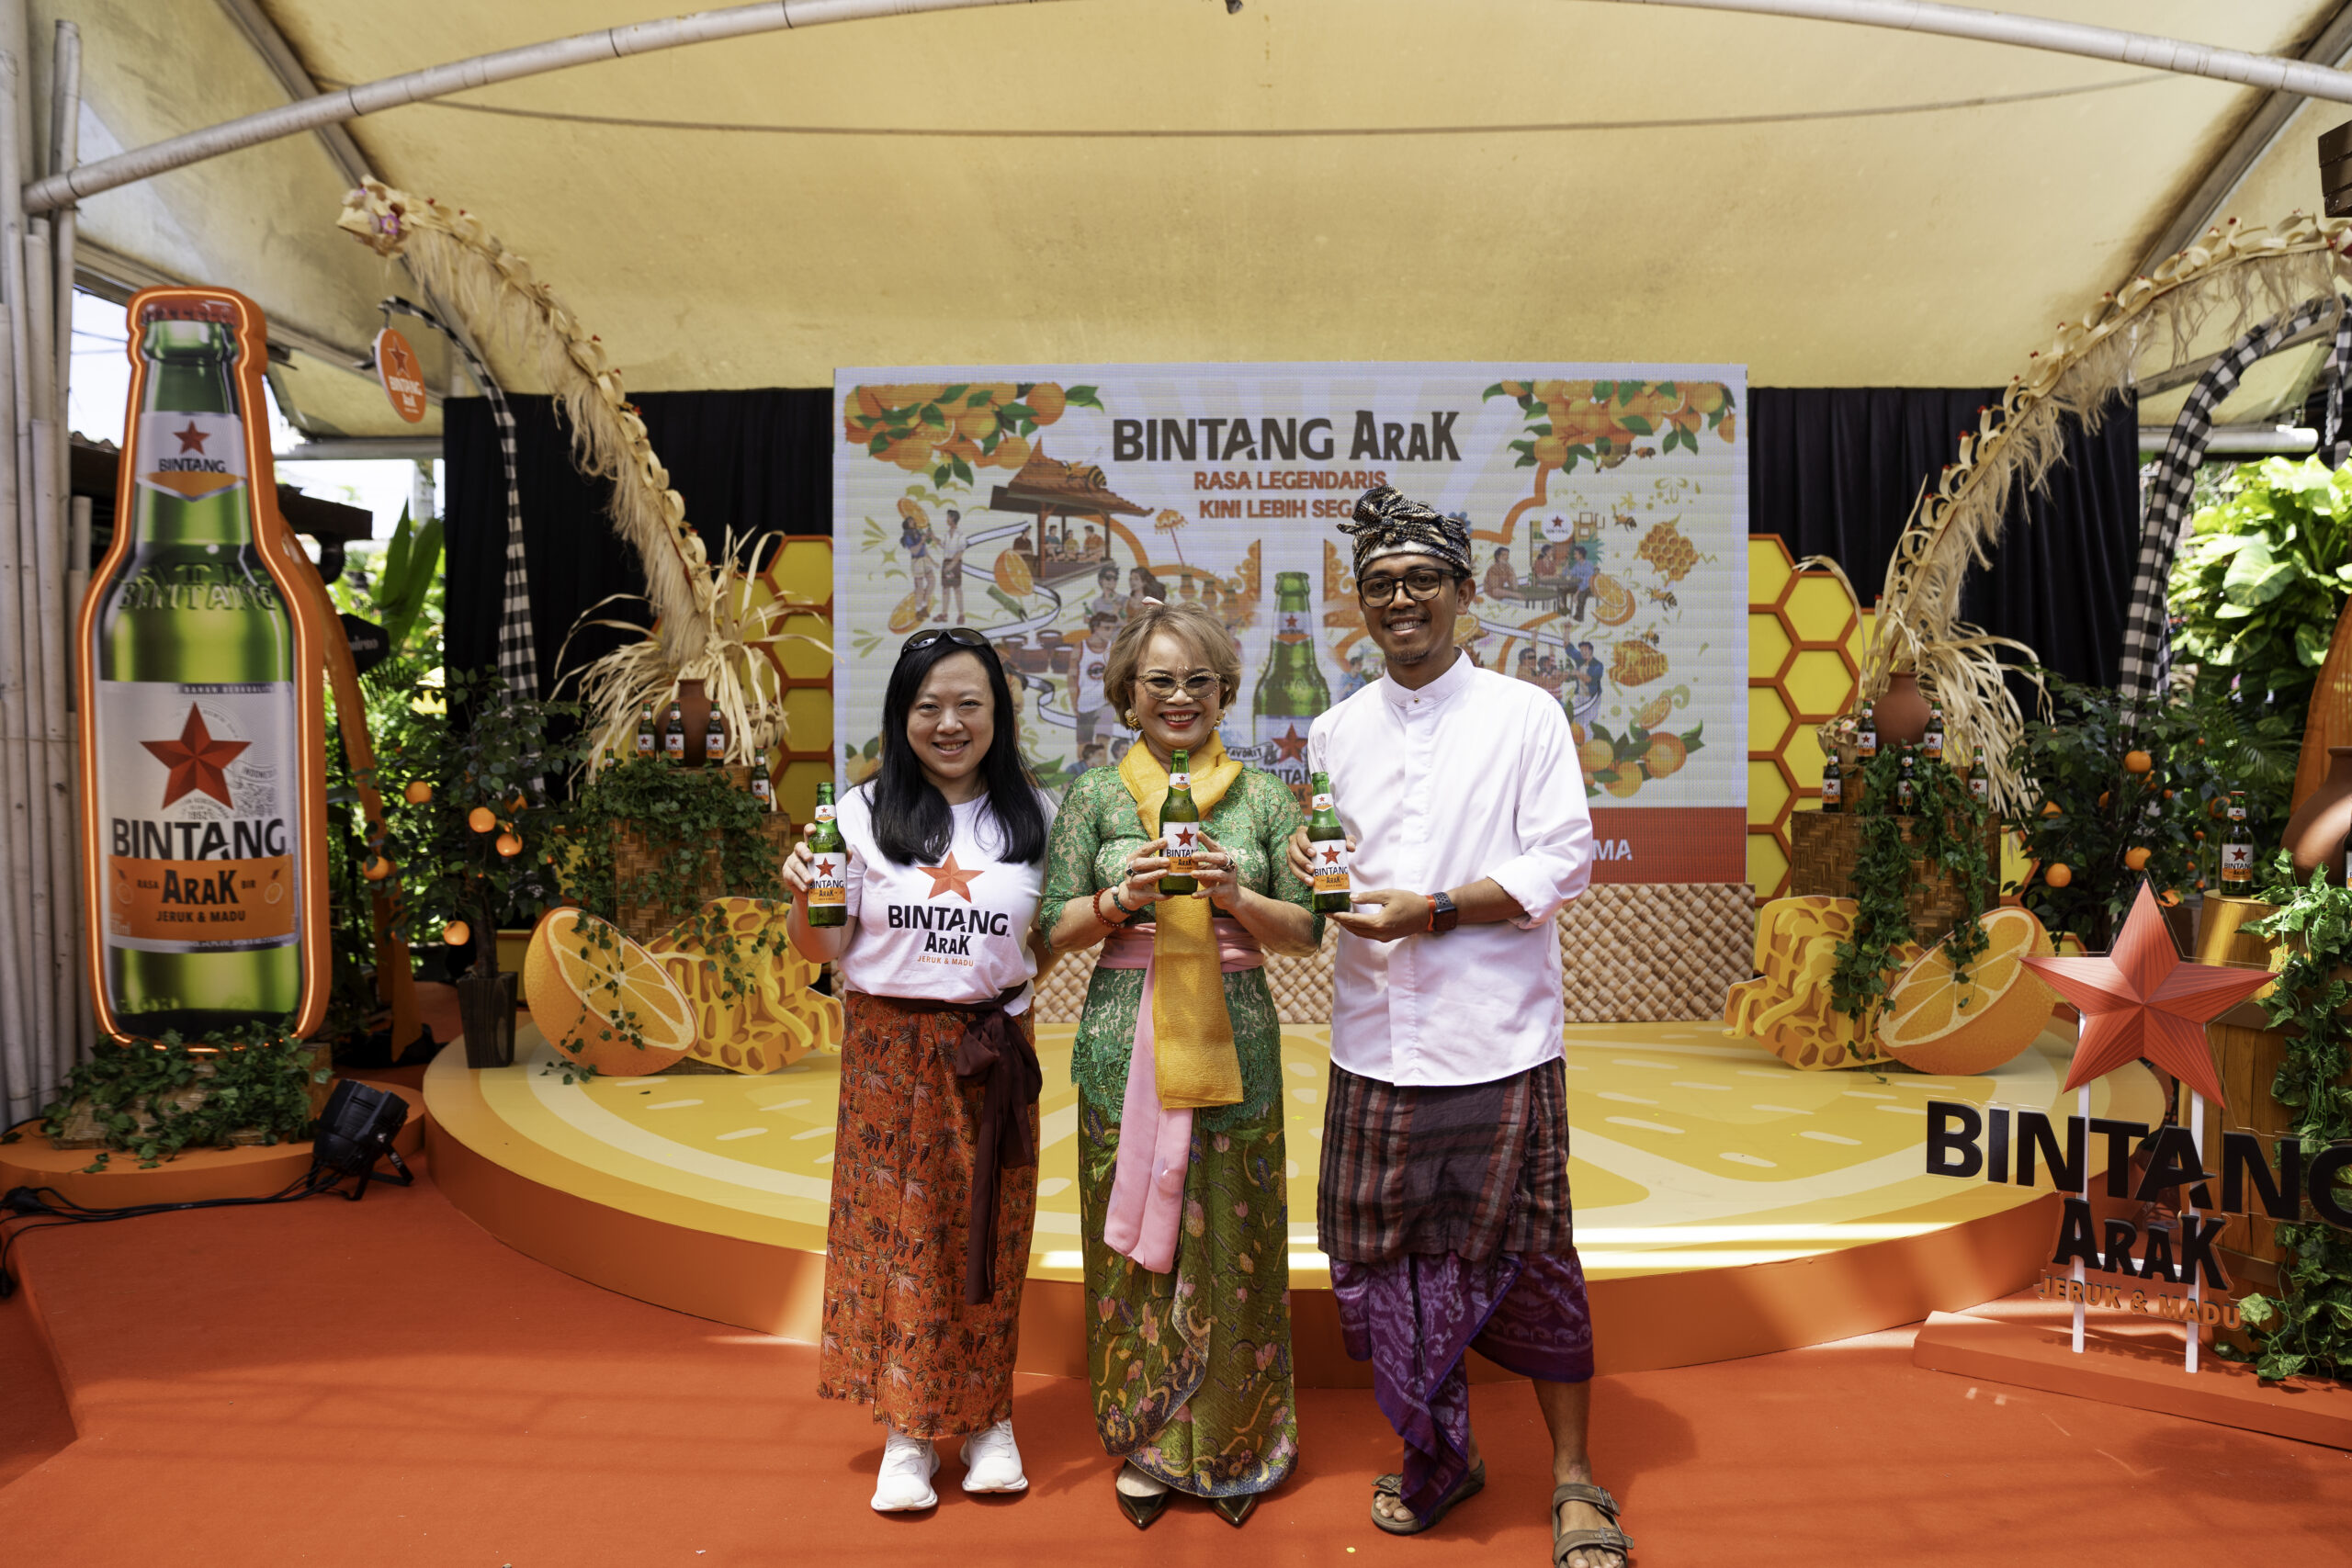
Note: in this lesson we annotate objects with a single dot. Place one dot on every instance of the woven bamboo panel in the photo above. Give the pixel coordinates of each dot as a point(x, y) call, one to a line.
point(1649, 953)
point(1824, 847)
point(1654, 952)
point(632, 860)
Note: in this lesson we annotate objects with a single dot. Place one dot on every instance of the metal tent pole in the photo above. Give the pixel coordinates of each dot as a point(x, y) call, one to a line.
point(23, 1072)
point(68, 527)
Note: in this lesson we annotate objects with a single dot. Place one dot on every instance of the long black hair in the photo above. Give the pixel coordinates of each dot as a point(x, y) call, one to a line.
point(911, 821)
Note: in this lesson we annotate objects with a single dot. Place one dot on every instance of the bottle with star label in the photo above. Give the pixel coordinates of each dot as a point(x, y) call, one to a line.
point(199, 734)
point(1291, 688)
point(1327, 847)
point(829, 889)
point(1180, 824)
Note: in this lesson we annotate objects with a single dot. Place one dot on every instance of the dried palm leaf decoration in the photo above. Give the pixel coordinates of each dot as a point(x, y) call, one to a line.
point(2233, 274)
point(710, 625)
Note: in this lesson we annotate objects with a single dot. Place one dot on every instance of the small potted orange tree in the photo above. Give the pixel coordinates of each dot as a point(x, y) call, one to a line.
point(474, 803)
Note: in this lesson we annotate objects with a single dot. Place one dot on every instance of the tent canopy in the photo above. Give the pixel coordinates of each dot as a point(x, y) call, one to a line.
point(1157, 180)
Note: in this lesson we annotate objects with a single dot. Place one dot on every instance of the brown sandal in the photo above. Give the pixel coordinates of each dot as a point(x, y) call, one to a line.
point(1609, 1538)
point(1473, 1481)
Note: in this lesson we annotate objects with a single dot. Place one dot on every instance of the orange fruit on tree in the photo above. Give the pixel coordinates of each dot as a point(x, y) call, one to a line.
point(456, 933)
point(2168, 897)
point(2137, 762)
point(481, 819)
point(1596, 754)
point(1010, 452)
point(417, 793)
point(1626, 785)
point(1936, 1022)
point(1047, 401)
point(376, 868)
point(509, 845)
point(1666, 755)
point(601, 1000)
point(2059, 874)
point(2050, 809)
point(2136, 857)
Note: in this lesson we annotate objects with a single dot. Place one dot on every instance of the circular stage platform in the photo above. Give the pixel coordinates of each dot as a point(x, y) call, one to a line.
point(1727, 1205)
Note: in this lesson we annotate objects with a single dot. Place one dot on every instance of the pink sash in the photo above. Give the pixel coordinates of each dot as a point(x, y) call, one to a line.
point(1147, 1208)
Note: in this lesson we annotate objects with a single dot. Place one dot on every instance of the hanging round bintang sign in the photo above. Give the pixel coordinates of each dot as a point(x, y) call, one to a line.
point(403, 378)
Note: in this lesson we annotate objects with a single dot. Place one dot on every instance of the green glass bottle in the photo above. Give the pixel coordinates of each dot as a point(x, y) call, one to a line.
point(829, 891)
point(714, 739)
point(1980, 779)
point(1291, 688)
point(1933, 743)
point(1180, 824)
point(197, 718)
point(762, 785)
point(2237, 850)
point(1326, 843)
point(646, 741)
point(1833, 783)
point(674, 733)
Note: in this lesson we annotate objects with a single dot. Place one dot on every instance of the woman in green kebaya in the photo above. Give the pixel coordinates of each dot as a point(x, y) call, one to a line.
point(1181, 1166)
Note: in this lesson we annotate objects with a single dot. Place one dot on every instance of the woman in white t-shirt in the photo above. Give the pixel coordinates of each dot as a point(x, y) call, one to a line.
point(934, 1188)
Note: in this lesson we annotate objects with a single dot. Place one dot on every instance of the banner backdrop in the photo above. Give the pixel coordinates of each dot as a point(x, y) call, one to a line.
point(1608, 506)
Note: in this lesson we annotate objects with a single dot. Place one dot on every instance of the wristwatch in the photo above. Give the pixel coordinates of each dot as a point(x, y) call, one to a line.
point(1443, 916)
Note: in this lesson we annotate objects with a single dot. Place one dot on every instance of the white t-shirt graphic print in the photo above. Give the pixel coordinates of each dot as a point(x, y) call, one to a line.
point(954, 932)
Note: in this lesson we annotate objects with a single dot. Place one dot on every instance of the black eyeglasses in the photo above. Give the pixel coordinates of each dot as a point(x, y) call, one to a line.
point(1421, 584)
point(962, 637)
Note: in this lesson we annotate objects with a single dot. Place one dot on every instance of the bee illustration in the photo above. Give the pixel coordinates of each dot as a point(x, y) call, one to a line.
point(1663, 596)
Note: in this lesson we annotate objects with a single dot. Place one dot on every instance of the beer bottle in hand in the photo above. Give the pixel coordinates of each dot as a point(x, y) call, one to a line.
point(1180, 824)
point(1327, 844)
point(829, 889)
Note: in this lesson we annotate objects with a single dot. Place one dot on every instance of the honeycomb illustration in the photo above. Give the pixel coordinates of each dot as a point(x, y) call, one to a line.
point(1668, 548)
point(802, 572)
point(1805, 642)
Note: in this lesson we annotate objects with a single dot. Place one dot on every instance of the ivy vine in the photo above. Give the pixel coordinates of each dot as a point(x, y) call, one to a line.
point(2306, 1327)
point(1945, 832)
point(259, 1083)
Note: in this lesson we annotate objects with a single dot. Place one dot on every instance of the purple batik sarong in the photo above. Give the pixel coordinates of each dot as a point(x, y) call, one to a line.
point(1414, 1319)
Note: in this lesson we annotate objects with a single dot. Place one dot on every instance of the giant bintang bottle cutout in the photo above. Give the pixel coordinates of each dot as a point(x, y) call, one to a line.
point(1291, 689)
point(202, 718)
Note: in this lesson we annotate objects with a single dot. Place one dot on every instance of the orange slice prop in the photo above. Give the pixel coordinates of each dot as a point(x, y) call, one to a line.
point(582, 974)
point(1935, 1023)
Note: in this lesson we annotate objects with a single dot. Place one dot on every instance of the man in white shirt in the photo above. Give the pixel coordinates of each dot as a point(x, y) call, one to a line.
point(1444, 1202)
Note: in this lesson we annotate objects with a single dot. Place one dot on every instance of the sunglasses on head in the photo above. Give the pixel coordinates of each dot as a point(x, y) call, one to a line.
point(962, 637)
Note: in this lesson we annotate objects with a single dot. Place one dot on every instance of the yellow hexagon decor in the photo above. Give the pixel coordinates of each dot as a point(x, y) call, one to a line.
point(801, 572)
point(1805, 642)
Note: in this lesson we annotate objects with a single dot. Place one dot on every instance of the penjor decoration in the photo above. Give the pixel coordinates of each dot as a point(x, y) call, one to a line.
point(2141, 998)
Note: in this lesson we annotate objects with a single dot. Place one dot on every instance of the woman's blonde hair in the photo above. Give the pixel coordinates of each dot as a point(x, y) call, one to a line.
point(1190, 625)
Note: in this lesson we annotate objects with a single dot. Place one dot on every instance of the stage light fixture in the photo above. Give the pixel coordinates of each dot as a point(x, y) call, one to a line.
point(356, 1130)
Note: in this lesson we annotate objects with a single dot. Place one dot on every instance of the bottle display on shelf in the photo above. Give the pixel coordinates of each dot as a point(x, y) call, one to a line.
point(763, 786)
point(674, 733)
point(1328, 848)
point(829, 888)
point(1980, 779)
point(1907, 790)
point(647, 743)
point(1833, 783)
point(1180, 824)
point(1932, 743)
point(1866, 734)
point(714, 739)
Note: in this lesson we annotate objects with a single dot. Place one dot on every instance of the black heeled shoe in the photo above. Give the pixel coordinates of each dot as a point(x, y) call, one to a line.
point(1235, 1511)
point(1140, 1511)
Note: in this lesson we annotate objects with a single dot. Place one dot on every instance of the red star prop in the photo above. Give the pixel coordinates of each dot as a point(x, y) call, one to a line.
point(198, 762)
point(191, 439)
point(951, 878)
point(1290, 746)
point(2139, 999)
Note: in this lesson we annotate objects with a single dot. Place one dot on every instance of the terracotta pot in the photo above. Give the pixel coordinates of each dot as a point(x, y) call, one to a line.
point(2316, 833)
point(1901, 712)
point(695, 707)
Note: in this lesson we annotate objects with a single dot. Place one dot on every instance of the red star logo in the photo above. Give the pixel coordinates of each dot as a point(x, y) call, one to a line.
point(2140, 999)
point(1331, 855)
point(951, 878)
point(1180, 838)
point(198, 762)
point(825, 867)
point(191, 439)
point(1291, 746)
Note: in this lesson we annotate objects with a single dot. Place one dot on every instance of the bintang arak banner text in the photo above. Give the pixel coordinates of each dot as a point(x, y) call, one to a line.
point(1044, 505)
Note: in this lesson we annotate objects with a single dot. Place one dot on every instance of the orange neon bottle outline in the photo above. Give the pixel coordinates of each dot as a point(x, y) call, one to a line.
point(281, 556)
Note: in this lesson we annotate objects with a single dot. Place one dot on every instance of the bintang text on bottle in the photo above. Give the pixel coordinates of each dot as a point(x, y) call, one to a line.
point(197, 712)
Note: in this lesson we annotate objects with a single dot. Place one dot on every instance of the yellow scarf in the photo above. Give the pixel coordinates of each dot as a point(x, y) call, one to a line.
point(1193, 1036)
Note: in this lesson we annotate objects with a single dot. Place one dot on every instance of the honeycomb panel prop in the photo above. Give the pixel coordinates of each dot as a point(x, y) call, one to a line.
point(1805, 635)
point(800, 573)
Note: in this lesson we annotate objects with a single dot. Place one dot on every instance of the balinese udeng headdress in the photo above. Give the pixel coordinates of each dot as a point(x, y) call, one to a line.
point(1386, 523)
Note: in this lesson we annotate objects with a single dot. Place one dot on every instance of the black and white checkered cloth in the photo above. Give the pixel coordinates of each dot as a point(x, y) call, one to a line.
point(2147, 641)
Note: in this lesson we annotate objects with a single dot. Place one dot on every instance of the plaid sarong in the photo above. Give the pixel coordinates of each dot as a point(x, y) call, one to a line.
point(1475, 1169)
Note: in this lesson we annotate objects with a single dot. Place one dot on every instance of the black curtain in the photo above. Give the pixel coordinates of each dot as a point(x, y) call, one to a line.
point(1835, 471)
point(755, 462)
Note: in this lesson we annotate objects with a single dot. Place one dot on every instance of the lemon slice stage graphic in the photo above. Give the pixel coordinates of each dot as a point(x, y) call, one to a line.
point(1726, 1203)
point(603, 1000)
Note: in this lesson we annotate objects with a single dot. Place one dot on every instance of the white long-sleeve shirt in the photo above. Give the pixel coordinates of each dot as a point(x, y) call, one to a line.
point(1473, 776)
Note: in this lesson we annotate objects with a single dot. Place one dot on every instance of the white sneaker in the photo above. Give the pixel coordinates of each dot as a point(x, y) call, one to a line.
point(992, 1460)
point(908, 1465)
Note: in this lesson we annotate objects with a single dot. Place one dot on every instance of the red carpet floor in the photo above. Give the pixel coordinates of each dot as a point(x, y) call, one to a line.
point(382, 1383)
